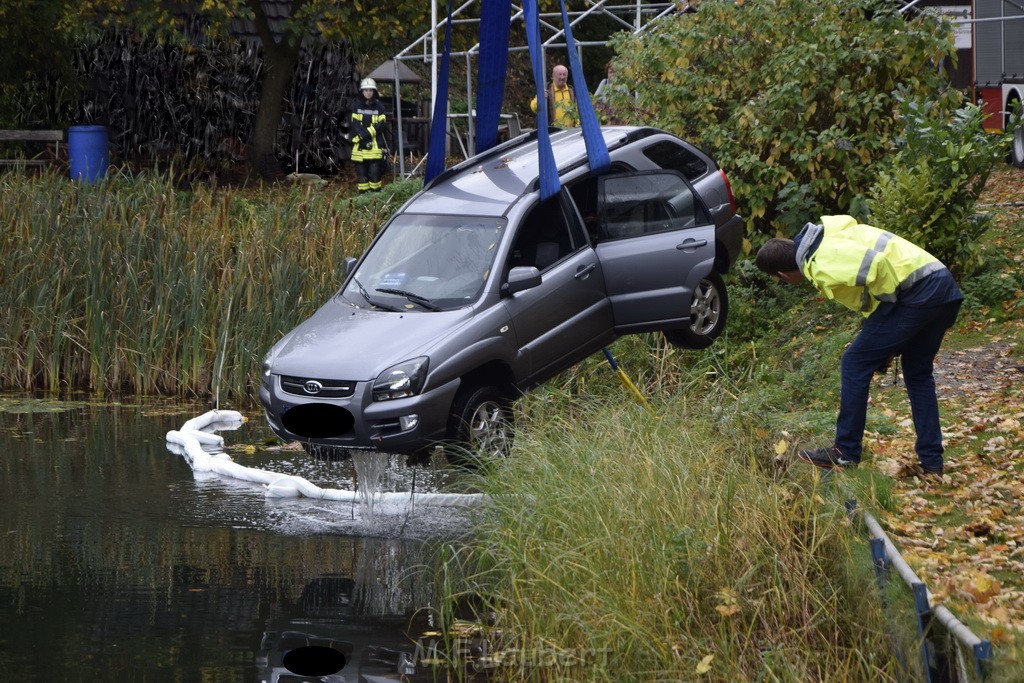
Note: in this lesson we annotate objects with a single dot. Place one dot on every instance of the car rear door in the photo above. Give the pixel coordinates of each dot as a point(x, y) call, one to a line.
point(655, 242)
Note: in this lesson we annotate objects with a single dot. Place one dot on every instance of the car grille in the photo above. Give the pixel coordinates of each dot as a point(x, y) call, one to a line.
point(329, 388)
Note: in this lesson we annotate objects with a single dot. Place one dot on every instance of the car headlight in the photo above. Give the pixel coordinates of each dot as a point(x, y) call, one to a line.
point(268, 364)
point(402, 380)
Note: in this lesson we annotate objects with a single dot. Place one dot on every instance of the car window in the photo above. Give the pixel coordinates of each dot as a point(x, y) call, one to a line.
point(545, 236)
point(443, 259)
point(637, 204)
point(674, 157)
point(584, 195)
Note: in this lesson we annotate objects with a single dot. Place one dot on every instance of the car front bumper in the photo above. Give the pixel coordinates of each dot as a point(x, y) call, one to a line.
point(358, 422)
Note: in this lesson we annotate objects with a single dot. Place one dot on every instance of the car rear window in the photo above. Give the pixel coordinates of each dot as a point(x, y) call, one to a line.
point(673, 156)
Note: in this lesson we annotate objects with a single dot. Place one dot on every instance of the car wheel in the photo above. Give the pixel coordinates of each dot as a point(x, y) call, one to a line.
point(324, 452)
point(708, 312)
point(479, 426)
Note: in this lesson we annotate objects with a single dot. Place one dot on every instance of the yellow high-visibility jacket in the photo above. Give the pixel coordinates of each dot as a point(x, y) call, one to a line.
point(858, 265)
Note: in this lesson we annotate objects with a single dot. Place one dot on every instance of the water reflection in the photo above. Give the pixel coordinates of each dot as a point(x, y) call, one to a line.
point(115, 561)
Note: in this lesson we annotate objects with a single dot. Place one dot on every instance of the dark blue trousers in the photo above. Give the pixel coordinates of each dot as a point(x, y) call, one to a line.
point(915, 333)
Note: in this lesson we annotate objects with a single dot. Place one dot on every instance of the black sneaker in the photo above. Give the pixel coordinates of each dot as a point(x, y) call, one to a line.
point(830, 458)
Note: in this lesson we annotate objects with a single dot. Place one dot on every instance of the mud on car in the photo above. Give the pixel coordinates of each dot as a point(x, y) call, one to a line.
point(476, 291)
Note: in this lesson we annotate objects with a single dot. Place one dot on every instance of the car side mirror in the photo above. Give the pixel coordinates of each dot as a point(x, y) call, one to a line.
point(348, 264)
point(520, 279)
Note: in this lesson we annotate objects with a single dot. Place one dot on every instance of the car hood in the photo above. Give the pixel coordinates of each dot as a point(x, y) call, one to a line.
point(342, 341)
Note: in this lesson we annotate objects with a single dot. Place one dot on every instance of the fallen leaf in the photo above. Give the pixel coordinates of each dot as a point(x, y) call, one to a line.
point(1000, 635)
point(982, 527)
point(981, 587)
point(705, 665)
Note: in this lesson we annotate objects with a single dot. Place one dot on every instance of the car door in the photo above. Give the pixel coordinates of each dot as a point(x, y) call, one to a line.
point(568, 316)
point(655, 242)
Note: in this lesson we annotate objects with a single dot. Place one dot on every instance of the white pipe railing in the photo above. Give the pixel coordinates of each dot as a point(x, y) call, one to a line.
point(981, 649)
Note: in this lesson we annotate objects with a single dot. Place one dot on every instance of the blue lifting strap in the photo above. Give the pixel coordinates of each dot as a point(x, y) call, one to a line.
point(494, 29)
point(549, 183)
point(597, 149)
point(439, 120)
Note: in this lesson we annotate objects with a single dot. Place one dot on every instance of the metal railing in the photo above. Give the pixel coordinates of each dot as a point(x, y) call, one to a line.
point(946, 643)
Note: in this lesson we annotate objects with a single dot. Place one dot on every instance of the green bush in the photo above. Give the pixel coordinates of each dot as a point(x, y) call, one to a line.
point(928, 191)
point(995, 293)
point(794, 97)
point(757, 304)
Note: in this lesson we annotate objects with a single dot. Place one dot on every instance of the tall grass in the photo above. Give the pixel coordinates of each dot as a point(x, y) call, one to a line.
point(125, 286)
point(635, 547)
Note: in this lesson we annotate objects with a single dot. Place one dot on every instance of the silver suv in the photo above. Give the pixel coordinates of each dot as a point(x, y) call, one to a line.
point(476, 291)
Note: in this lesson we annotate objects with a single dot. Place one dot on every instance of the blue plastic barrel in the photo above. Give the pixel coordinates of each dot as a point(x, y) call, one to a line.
point(88, 153)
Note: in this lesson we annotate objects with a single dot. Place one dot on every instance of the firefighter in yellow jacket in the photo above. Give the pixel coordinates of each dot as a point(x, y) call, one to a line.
point(366, 126)
point(908, 299)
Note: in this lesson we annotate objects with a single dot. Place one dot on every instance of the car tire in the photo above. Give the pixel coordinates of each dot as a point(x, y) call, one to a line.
point(708, 312)
point(1017, 147)
point(324, 452)
point(479, 426)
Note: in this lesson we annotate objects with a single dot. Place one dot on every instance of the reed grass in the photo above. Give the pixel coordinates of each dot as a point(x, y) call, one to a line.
point(125, 286)
point(634, 547)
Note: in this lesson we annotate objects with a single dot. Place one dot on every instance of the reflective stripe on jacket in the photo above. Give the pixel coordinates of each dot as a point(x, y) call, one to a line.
point(367, 121)
point(858, 265)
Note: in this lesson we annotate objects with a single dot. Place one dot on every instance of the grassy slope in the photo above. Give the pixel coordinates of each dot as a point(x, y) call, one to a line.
point(965, 536)
point(663, 541)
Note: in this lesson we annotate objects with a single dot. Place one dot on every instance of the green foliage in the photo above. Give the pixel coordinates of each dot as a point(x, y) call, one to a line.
point(756, 302)
point(929, 188)
point(30, 37)
point(996, 292)
point(794, 97)
point(365, 24)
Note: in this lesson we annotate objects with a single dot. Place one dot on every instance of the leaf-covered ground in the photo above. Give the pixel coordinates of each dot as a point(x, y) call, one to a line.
point(964, 536)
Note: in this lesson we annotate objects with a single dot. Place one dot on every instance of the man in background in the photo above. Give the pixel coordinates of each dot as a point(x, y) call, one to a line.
point(561, 99)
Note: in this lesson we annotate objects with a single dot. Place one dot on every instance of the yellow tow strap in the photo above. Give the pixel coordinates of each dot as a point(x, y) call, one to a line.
point(626, 382)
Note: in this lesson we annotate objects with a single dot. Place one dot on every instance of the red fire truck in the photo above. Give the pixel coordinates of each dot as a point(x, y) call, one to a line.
point(990, 51)
point(999, 65)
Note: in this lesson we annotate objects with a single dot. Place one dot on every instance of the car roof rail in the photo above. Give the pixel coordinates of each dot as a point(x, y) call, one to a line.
point(630, 137)
point(495, 151)
point(498, 150)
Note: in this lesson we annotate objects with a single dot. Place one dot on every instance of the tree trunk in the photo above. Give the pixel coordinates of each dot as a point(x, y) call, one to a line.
point(279, 60)
point(279, 66)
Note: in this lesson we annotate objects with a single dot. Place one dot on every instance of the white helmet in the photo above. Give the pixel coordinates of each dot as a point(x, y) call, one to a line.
point(368, 84)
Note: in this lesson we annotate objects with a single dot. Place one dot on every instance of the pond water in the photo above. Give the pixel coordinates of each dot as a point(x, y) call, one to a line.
point(118, 563)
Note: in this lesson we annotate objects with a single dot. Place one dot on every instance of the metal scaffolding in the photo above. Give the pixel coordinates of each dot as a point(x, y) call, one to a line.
point(635, 16)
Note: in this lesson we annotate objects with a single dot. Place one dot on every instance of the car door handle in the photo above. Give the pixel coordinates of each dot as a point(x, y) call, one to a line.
point(583, 271)
point(692, 244)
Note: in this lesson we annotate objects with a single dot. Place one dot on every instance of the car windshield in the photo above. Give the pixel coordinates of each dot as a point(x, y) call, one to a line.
point(427, 263)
